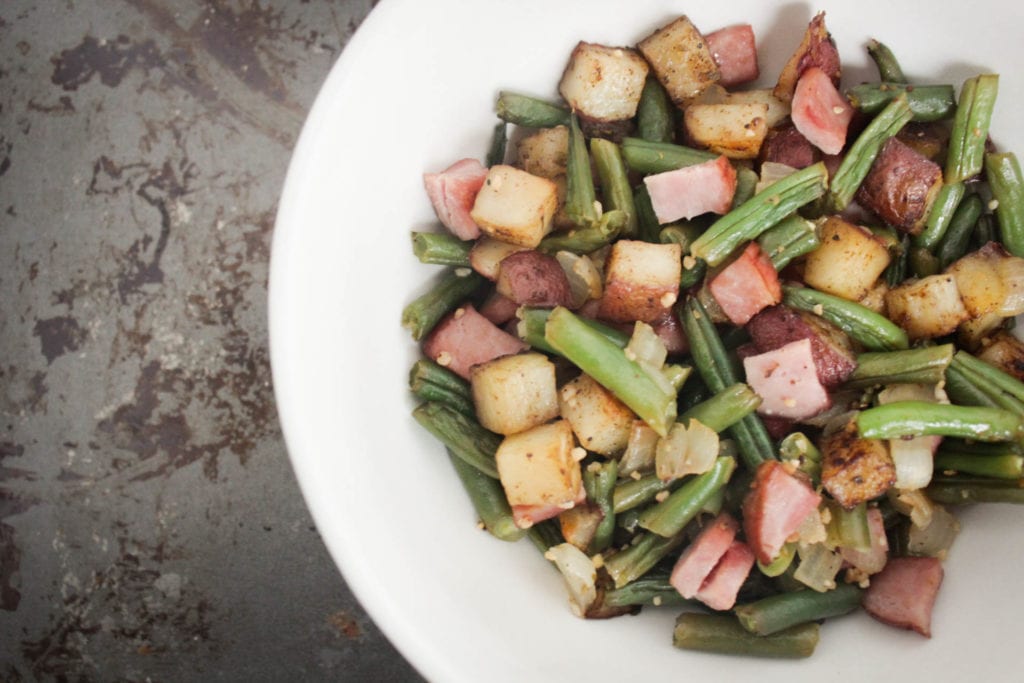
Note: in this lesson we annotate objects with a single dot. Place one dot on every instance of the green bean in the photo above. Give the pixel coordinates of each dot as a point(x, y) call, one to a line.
point(650, 590)
point(655, 119)
point(927, 102)
point(423, 313)
point(668, 517)
point(428, 391)
point(862, 153)
point(440, 249)
point(874, 331)
point(725, 408)
point(792, 238)
point(848, 527)
point(962, 390)
point(970, 128)
point(499, 141)
point(940, 215)
point(922, 262)
point(646, 157)
point(639, 557)
point(681, 233)
point(693, 273)
point(532, 323)
point(797, 448)
point(648, 228)
point(779, 612)
point(426, 371)
point(615, 189)
point(580, 198)
point(545, 535)
point(896, 271)
point(985, 231)
point(920, 418)
point(889, 69)
point(955, 492)
point(489, 501)
point(599, 482)
point(925, 365)
point(600, 233)
point(1007, 466)
point(723, 634)
point(523, 110)
point(746, 185)
point(462, 434)
point(760, 213)
point(1000, 388)
point(961, 227)
point(1007, 183)
point(632, 493)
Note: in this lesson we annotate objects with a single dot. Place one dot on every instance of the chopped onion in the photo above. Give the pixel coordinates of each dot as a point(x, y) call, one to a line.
point(639, 453)
point(772, 171)
point(935, 539)
point(818, 567)
point(584, 277)
point(913, 504)
point(646, 347)
point(812, 529)
point(688, 449)
point(579, 574)
point(579, 524)
point(1011, 274)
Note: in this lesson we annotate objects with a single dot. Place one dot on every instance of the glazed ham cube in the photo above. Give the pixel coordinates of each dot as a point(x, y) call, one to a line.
point(820, 112)
point(787, 381)
point(747, 285)
point(903, 594)
point(692, 190)
point(700, 557)
point(774, 508)
point(735, 52)
point(723, 585)
point(465, 338)
point(452, 193)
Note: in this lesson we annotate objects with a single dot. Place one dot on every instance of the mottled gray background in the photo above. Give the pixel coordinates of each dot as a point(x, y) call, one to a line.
point(150, 524)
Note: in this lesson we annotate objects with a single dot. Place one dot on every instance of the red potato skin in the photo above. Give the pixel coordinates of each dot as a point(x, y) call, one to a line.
point(530, 278)
point(734, 49)
point(817, 49)
point(903, 594)
point(465, 338)
point(776, 505)
point(901, 186)
point(786, 145)
point(834, 357)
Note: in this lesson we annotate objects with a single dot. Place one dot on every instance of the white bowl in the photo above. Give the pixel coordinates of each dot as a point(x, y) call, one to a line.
point(414, 91)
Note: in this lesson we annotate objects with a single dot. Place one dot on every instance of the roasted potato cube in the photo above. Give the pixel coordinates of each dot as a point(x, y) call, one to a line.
point(514, 393)
point(515, 206)
point(601, 422)
point(487, 253)
point(544, 152)
point(926, 308)
point(1006, 352)
point(735, 130)
point(855, 470)
point(641, 281)
point(716, 94)
point(538, 467)
point(990, 281)
point(603, 83)
point(901, 186)
point(681, 59)
point(848, 261)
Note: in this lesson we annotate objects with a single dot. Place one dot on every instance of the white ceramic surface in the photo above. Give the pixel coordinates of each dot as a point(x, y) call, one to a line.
point(414, 91)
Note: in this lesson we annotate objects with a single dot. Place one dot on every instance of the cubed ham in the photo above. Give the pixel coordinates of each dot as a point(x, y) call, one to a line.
point(774, 509)
point(452, 193)
point(723, 585)
point(735, 52)
point(747, 285)
point(903, 594)
point(531, 278)
point(696, 563)
point(465, 338)
point(820, 112)
point(901, 186)
point(787, 381)
point(834, 358)
point(786, 145)
point(690, 191)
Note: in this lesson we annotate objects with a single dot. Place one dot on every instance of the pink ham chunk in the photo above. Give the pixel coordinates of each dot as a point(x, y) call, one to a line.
point(723, 585)
point(787, 381)
point(465, 338)
point(820, 112)
point(747, 285)
point(452, 193)
point(700, 557)
point(903, 594)
point(692, 190)
point(774, 508)
point(735, 52)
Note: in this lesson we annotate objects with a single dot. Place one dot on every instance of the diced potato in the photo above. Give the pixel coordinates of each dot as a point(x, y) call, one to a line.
point(875, 298)
point(855, 470)
point(974, 332)
point(601, 422)
point(1005, 352)
point(544, 152)
point(515, 206)
point(777, 109)
point(977, 278)
point(603, 83)
point(641, 281)
point(538, 467)
point(926, 308)
point(848, 261)
point(514, 393)
point(487, 253)
point(681, 59)
point(580, 523)
point(735, 130)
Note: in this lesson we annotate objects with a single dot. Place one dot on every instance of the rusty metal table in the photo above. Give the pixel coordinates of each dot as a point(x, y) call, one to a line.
point(150, 525)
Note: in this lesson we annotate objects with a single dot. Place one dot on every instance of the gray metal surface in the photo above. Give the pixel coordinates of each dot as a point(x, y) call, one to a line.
point(150, 524)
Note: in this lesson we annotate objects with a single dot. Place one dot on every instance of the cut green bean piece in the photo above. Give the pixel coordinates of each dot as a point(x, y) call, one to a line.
point(927, 102)
point(639, 557)
point(607, 363)
point(1008, 466)
point(779, 612)
point(792, 238)
point(862, 153)
point(922, 262)
point(545, 535)
point(874, 331)
point(725, 408)
point(958, 236)
point(599, 482)
point(1000, 388)
point(615, 189)
point(946, 200)
point(1007, 183)
point(985, 231)
point(926, 365)
point(668, 517)
point(760, 213)
point(649, 590)
point(427, 371)
point(454, 287)
point(580, 197)
point(440, 249)
point(646, 157)
point(693, 273)
point(488, 498)
point(746, 185)
point(428, 391)
point(781, 563)
point(499, 142)
point(648, 228)
point(955, 492)
point(462, 434)
point(920, 418)
point(848, 527)
point(681, 233)
point(723, 634)
point(531, 112)
point(533, 321)
point(889, 69)
point(585, 240)
point(632, 493)
point(797, 448)
point(970, 128)
point(655, 119)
